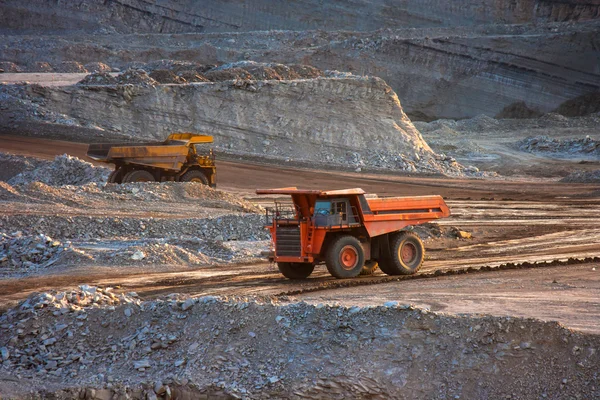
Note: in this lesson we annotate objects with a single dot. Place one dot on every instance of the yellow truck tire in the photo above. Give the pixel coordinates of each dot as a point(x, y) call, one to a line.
point(138, 175)
point(194, 176)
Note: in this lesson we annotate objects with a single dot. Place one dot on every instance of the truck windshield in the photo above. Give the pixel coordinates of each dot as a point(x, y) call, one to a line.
point(323, 207)
point(203, 149)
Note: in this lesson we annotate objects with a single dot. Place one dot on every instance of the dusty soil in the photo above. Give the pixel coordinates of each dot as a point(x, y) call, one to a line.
point(511, 221)
point(569, 295)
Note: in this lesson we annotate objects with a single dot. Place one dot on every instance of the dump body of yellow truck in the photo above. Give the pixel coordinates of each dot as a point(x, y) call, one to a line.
point(179, 158)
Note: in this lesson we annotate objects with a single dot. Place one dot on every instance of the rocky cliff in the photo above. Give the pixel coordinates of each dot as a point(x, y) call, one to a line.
point(337, 121)
point(156, 16)
point(439, 72)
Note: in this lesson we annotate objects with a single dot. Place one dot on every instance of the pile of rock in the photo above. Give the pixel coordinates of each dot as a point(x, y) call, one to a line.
point(97, 67)
point(41, 66)
point(158, 254)
point(165, 76)
point(228, 74)
point(258, 348)
point(136, 77)
point(202, 195)
point(70, 67)
point(26, 252)
point(232, 226)
point(8, 66)
point(583, 177)
point(64, 170)
point(98, 78)
point(545, 144)
point(12, 165)
point(432, 230)
point(192, 76)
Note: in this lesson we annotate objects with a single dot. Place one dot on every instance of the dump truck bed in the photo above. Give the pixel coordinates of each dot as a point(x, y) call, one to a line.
point(169, 155)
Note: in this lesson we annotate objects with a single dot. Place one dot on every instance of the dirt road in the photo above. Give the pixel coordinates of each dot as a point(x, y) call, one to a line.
point(570, 295)
point(511, 221)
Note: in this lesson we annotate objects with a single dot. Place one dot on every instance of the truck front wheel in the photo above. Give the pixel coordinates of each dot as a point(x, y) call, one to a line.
point(194, 176)
point(295, 270)
point(406, 254)
point(345, 257)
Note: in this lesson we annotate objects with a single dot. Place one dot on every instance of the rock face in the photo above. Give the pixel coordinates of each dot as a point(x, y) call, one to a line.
point(438, 72)
point(155, 16)
point(326, 120)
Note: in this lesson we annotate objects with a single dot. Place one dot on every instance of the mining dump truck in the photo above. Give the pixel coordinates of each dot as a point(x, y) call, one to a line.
point(348, 230)
point(183, 157)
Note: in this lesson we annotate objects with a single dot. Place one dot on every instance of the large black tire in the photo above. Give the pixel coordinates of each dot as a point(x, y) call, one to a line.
point(369, 268)
point(116, 176)
point(345, 257)
point(138, 175)
point(194, 176)
point(295, 270)
point(406, 254)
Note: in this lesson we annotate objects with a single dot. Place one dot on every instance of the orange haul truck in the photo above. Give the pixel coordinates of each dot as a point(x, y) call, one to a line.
point(349, 231)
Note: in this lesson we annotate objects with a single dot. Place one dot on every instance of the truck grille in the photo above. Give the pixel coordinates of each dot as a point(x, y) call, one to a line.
point(288, 241)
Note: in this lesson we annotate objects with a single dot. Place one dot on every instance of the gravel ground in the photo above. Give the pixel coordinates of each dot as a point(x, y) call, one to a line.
point(256, 348)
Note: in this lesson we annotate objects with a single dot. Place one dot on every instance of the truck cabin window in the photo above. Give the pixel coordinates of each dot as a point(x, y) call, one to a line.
point(322, 207)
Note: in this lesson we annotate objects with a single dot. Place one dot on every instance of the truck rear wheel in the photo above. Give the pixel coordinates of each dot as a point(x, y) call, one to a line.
point(345, 257)
point(406, 254)
point(138, 175)
point(295, 270)
point(116, 176)
point(194, 176)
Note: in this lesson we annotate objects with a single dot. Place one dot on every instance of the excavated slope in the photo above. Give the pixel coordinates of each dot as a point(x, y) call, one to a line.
point(156, 16)
point(325, 120)
point(439, 72)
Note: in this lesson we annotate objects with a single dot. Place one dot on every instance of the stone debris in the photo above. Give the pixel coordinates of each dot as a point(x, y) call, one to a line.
point(97, 67)
point(192, 76)
point(29, 252)
point(98, 78)
point(136, 77)
point(545, 144)
point(164, 76)
point(260, 348)
point(432, 230)
point(70, 67)
point(11, 67)
point(583, 177)
point(41, 66)
point(64, 170)
point(518, 109)
point(11, 165)
point(585, 104)
point(224, 228)
point(228, 74)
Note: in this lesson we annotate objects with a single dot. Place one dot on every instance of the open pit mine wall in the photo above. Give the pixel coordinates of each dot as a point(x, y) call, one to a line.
point(175, 16)
point(439, 72)
point(299, 119)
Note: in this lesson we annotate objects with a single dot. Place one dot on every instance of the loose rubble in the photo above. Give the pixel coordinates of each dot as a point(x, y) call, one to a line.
point(98, 78)
point(582, 177)
point(29, 253)
point(136, 77)
point(545, 144)
point(98, 339)
point(64, 170)
point(70, 67)
point(222, 229)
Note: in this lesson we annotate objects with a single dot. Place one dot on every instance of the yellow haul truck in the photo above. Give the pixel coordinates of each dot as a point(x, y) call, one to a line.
point(183, 157)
